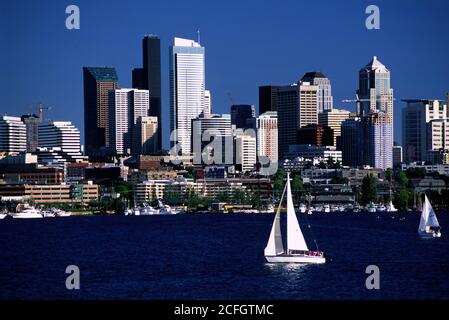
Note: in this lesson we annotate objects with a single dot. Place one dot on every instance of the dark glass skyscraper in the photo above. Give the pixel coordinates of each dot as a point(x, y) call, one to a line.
point(97, 83)
point(149, 78)
point(242, 116)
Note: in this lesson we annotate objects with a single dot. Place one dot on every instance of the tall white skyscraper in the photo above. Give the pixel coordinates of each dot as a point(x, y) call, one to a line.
point(187, 89)
point(12, 134)
point(267, 135)
point(245, 151)
point(126, 106)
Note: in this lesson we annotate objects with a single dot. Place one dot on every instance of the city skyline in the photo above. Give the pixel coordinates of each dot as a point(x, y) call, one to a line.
point(340, 67)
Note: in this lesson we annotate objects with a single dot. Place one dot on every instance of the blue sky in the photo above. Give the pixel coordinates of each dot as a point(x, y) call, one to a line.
point(248, 43)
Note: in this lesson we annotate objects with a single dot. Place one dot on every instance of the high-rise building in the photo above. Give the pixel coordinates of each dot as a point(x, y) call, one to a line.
point(32, 131)
point(297, 107)
point(207, 103)
point(211, 132)
point(268, 99)
point(425, 128)
point(187, 86)
point(245, 151)
point(97, 83)
point(316, 134)
point(378, 140)
point(350, 142)
point(149, 78)
point(125, 107)
point(267, 136)
point(325, 99)
point(12, 134)
point(397, 156)
point(242, 116)
point(375, 93)
point(145, 136)
point(333, 118)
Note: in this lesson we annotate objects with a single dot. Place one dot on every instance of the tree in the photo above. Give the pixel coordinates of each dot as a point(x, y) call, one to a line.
point(278, 185)
point(402, 178)
point(401, 199)
point(223, 197)
point(389, 175)
point(298, 187)
point(369, 189)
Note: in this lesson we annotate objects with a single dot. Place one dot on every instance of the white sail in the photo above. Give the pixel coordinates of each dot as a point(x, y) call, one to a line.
point(295, 238)
point(274, 245)
point(428, 217)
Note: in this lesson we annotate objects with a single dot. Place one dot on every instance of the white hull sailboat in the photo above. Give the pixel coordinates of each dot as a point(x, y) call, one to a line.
point(429, 226)
point(391, 208)
point(297, 250)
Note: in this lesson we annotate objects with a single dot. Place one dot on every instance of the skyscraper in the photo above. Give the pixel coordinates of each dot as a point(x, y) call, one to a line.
point(325, 99)
point(267, 136)
point(149, 78)
point(378, 140)
point(60, 134)
point(145, 136)
point(375, 93)
point(350, 142)
point(268, 99)
point(32, 131)
point(245, 151)
point(207, 103)
point(297, 107)
point(333, 118)
point(187, 86)
point(241, 115)
point(425, 128)
point(375, 106)
point(316, 134)
point(126, 106)
point(97, 83)
point(12, 134)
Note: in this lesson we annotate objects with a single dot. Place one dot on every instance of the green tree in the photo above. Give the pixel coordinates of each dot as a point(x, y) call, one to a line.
point(223, 197)
point(298, 187)
point(401, 200)
point(278, 185)
point(402, 178)
point(389, 175)
point(369, 189)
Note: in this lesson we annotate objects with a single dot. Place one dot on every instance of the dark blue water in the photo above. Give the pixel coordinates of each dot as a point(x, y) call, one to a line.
point(218, 257)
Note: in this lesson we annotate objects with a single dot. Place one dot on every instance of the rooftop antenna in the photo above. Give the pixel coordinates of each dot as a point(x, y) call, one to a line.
point(199, 36)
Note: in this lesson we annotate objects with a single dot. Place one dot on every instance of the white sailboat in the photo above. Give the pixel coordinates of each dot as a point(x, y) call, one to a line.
point(429, 226)
point(390, 207)
point(297, 250)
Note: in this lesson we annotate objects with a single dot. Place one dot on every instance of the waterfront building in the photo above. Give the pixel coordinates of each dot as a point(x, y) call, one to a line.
point(187, 90)
point(97, 83)
point(12, 134)
point(333, 118)
point(30, 173)
point(325, 99)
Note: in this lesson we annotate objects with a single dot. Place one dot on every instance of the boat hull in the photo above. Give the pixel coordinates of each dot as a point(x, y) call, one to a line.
point(296, 259)
point(430, 235)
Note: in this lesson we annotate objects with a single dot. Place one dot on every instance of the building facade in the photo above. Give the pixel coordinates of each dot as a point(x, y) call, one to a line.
point(145, 136)
point(267, 136)
point(325, 99)
point(187, 90)
point(12, 134)
point(333, 118)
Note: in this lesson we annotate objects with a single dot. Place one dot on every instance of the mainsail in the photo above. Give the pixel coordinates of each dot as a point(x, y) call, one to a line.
point(295, 238)
point(428, 217)
point(274, 246)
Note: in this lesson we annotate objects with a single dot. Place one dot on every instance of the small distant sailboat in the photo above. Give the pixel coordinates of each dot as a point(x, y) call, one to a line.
point(297, 250)
point(390, 207)
point(429, 226)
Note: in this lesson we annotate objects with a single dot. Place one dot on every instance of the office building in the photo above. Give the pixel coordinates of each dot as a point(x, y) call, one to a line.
point(267, 136)
point(145, 136)
point(350, 142)
point(312, 152)
point(325, 99)
point(187, 86)
point(207, 103)
point(316, 134)
point(242, 116)
point(378, 140)
point(245, 152)
point(12, 134)
point(333, 118)
point(268, 99)
point(97, 83)
point(397, 156)
point(149, 78)
point(31, 122)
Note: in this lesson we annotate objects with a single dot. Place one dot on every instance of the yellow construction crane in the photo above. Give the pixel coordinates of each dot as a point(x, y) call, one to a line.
point(41, 111)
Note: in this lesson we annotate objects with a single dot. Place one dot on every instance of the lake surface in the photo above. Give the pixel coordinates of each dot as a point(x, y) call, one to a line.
point(219, 257)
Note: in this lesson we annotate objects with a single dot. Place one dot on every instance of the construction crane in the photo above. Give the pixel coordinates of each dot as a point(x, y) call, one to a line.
point(41, 111)
point(231, 99)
